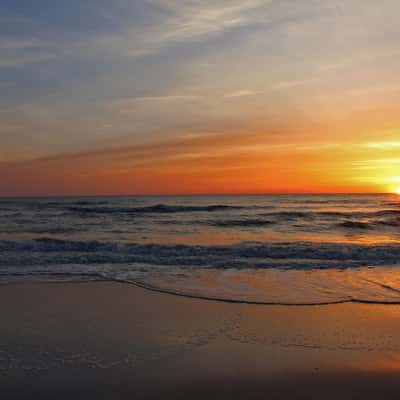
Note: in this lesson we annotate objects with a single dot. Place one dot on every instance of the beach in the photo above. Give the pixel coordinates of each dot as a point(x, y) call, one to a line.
point(199, 200)
point(107, 340)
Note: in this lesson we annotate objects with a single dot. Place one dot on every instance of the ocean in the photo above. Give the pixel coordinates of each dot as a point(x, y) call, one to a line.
point(264, 249)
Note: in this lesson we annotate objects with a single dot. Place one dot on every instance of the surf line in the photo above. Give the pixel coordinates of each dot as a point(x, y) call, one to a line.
point(172, 292)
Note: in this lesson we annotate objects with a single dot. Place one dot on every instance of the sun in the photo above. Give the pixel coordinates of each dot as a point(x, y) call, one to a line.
point(397, 191)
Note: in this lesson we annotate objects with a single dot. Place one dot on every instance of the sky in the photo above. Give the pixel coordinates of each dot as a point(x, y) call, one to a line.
point(187, 96)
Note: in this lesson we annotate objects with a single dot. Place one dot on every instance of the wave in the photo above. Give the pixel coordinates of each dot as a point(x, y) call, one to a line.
point(248, 222)
point(391, 204)
point(348, 220)
point(49, 230)
point(158, 208)
point(355, 225)
point(344, 214)
point(370, 224)
point(389, 222)
point(88, 202)
point(289, 214)
point(287, 255)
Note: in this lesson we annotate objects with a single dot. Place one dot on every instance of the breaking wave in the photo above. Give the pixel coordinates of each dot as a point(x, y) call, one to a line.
point(288, 255)
point(290, 273)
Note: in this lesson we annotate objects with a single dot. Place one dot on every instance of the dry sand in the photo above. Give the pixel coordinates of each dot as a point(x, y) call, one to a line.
point(116, 341)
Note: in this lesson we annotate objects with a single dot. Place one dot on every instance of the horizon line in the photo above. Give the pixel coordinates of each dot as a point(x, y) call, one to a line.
point(196, 194)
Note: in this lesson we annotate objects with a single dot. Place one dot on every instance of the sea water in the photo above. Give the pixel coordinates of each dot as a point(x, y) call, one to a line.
point(269, 249)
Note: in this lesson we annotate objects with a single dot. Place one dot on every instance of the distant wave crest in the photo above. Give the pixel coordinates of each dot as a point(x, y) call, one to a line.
point(158, 208)
point(245, 222)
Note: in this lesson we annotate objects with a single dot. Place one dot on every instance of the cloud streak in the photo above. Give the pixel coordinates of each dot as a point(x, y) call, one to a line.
point(240, 93)
point(184, 21)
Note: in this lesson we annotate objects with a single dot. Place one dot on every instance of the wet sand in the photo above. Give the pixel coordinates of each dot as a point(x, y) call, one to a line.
point(117, 341)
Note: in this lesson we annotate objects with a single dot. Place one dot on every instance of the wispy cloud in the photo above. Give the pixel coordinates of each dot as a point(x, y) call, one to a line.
point(240, 93)
point(127, 105)
point(23, 59)
point(374, 163)
point(383, 145)
point(167, 98)
point(17, 43)
point(19, 50)
point(291, 84)
point(182, 21)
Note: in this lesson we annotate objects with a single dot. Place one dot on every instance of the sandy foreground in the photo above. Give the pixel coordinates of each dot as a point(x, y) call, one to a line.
point(117, 341)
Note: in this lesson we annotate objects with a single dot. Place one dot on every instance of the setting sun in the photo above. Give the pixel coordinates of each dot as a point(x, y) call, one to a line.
point(397, 191)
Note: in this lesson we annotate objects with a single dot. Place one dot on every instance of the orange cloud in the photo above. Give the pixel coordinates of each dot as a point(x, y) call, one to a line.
point(210, 163)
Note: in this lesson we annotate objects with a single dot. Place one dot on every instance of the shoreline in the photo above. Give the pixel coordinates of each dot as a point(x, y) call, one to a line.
point(116, 341)
point(170, 292)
